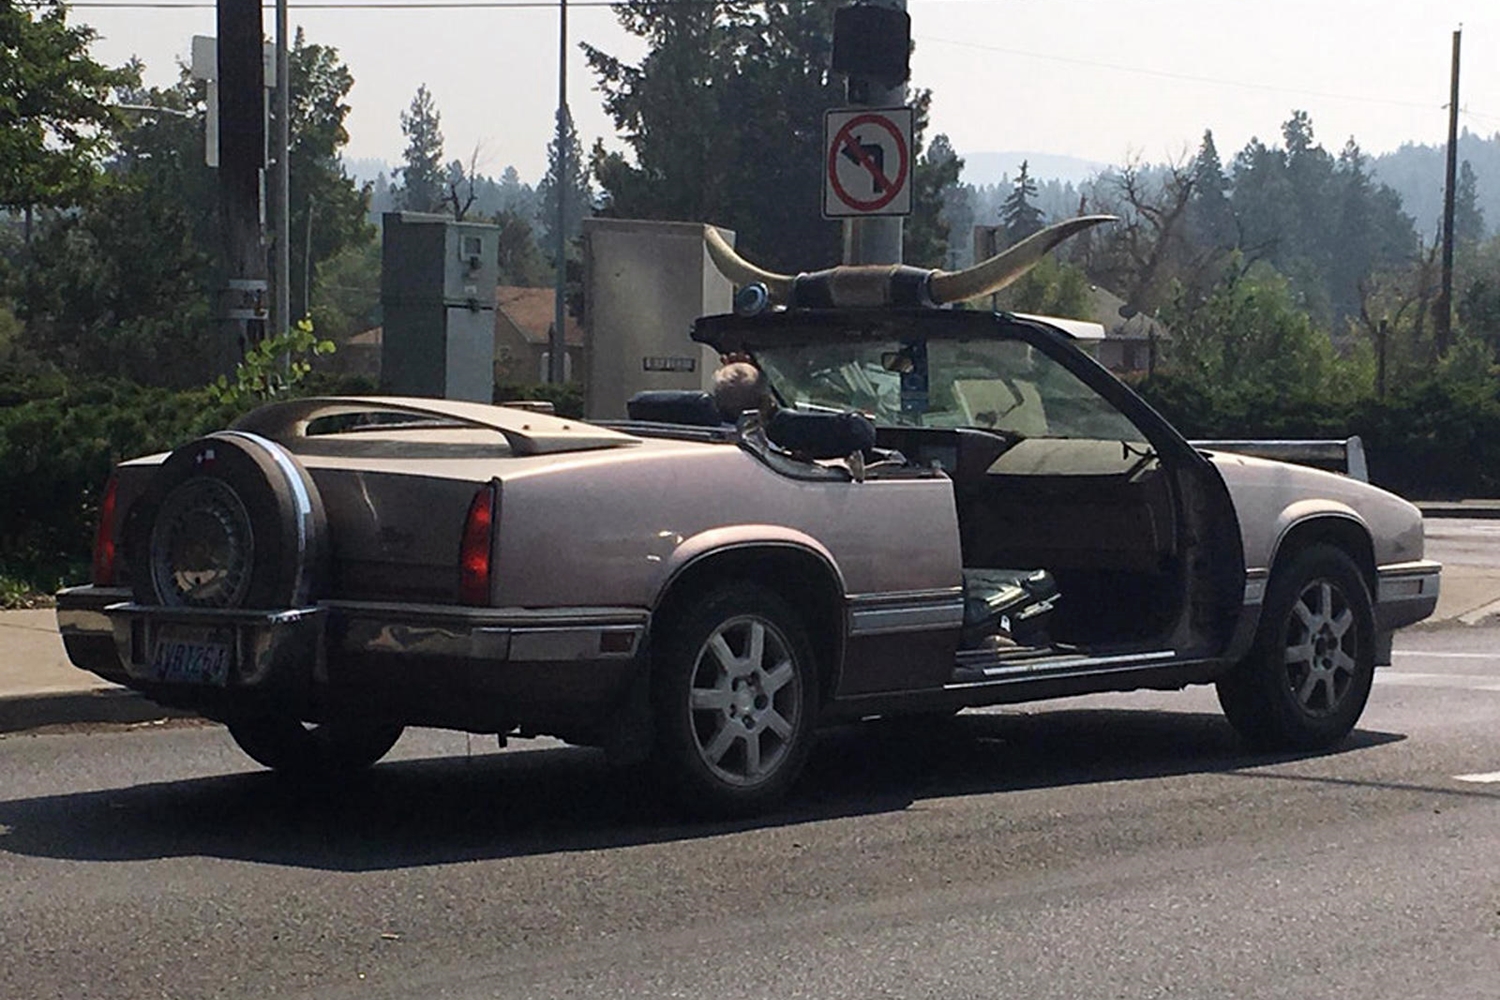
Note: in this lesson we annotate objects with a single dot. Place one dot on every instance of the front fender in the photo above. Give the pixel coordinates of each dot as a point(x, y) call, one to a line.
point(1303, 511)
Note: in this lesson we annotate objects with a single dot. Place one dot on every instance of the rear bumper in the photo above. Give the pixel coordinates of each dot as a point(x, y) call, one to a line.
point(1406, 593)
point(486, 669)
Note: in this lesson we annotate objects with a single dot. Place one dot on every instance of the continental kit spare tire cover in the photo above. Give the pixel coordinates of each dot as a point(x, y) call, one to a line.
point(231, 520)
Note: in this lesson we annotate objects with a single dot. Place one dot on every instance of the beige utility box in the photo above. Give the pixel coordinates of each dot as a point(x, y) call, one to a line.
point(645, 283)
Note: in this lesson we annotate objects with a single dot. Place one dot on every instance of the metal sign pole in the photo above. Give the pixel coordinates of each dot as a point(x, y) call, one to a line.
point(875, 240)
point(557, 343)
point(283, 318)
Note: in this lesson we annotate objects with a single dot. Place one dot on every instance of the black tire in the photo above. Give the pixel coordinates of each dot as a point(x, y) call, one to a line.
point(229, 521)
point(325, 750)
point(733, 728)
point(1309, 674)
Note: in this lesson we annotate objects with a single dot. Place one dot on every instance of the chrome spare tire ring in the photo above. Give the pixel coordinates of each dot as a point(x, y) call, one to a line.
point(745, 700)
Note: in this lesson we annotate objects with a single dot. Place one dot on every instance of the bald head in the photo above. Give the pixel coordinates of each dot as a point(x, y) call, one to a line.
point(739, 386)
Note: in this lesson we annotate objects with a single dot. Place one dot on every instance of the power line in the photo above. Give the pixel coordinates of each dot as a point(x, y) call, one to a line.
point(554, 4)
point(366, 4)
point(1168, 75)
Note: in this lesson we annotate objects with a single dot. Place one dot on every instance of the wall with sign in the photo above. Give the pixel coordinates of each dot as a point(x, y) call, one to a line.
point(645, 283)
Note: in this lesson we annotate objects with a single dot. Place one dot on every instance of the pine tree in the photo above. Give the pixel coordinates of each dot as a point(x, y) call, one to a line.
point(578, 201)
point(422, 178)
point(1468, 217)
point(1210, 218)
point(1019, 215)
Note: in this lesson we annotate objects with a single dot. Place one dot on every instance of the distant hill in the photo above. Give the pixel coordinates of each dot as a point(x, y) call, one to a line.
point(1416, 174)
point(985, 168)
point(366, 169)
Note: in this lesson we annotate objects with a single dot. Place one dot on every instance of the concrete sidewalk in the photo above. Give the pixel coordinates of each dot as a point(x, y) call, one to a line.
point(39, 687)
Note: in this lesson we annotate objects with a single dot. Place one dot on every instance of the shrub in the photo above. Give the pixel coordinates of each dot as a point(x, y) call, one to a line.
point(57, 450)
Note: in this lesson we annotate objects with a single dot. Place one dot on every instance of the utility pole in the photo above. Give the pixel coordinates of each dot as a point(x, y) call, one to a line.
point(557, 344)
point(242, 146)
point(1443, 320)
point(870, 54)
point(282, 318)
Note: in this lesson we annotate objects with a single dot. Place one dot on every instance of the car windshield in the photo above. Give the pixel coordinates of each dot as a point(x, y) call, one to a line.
point(995, 384)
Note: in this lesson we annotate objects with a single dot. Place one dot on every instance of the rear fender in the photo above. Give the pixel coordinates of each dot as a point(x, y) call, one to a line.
point(786, 560)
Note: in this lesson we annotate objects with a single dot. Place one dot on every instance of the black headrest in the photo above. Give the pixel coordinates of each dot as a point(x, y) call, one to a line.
point(821, 435)
point(674, 406)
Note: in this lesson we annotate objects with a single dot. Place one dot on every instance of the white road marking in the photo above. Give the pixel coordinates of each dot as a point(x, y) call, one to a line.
point(1482, 779)
point(1416, 678)
point(1448, 656)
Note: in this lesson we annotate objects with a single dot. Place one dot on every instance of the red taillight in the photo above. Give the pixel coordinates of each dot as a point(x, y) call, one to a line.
point(103, 572)
point(475, 551)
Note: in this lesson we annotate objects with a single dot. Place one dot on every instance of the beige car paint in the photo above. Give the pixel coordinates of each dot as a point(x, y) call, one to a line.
point(1270, 498)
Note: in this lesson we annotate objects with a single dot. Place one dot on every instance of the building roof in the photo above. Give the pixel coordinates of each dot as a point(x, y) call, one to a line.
point(1105, 308)
point(530, 311)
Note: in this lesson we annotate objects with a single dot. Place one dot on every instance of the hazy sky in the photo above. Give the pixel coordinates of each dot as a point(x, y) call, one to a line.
point(1099, 79)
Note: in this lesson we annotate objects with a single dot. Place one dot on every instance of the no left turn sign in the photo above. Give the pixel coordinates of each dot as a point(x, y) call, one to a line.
point(867, 162)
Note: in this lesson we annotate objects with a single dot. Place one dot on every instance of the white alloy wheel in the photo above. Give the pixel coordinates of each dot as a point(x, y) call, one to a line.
point(745, 699)
point(1322, 647)
point(734, 695)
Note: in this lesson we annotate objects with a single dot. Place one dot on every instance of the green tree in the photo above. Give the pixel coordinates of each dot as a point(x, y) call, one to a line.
point(422, 175)
point(723, 91)
point(1210, 218)
point(55, 122)
point(329, 212)
point(1468, 217)
point(1018, 213)
point(346, 291)
point(121, 286)
point(1249, 337)
point(1052, 288)
point(929, 231)
point(576, 190)
point(521, 261)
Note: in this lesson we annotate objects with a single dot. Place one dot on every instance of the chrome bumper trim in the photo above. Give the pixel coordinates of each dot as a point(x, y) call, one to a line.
point(265, 643)
point(1255, 586)
point(1406, 593)
point(356, 628)
point(906, 611)
point(525, 635)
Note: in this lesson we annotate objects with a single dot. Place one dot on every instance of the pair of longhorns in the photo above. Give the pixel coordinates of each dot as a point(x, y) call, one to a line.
point(875, 285)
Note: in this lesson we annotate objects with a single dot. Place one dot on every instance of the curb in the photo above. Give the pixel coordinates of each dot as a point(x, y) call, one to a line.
point(99, 705)
point(1479, 509)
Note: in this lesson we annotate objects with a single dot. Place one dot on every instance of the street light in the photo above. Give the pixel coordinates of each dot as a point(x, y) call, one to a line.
point(154, 109)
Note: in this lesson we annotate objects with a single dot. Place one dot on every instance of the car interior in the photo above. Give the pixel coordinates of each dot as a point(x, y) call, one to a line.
point(1067, 519)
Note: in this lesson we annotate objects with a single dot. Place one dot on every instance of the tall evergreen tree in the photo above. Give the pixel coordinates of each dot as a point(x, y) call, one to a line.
point(724, 120)
point(575, 189)
point(1210, 216)
point(422, 175)
point(1468, 217)
point(1019, 214)
point(928, 233)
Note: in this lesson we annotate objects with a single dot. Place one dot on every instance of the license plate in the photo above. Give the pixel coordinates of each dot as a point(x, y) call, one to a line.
point(192, 656)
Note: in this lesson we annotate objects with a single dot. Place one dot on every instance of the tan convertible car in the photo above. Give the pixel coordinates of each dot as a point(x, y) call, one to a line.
point(934, 509)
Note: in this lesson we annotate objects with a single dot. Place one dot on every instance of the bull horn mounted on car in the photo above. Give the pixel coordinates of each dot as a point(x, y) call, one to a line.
point(875, 285)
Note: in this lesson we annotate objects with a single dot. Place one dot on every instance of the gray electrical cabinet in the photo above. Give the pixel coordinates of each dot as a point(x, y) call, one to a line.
point(437, 298)
point(645, 283)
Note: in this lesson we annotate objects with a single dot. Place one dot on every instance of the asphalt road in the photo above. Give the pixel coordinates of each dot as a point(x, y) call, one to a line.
point(1464, 541)
point(1120, 846)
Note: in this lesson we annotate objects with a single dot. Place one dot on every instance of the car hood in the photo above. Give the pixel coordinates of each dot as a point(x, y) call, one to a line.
point(1270, 497)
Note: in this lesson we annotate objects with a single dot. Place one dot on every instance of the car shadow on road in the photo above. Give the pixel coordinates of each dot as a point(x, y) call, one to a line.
point(412, 813)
